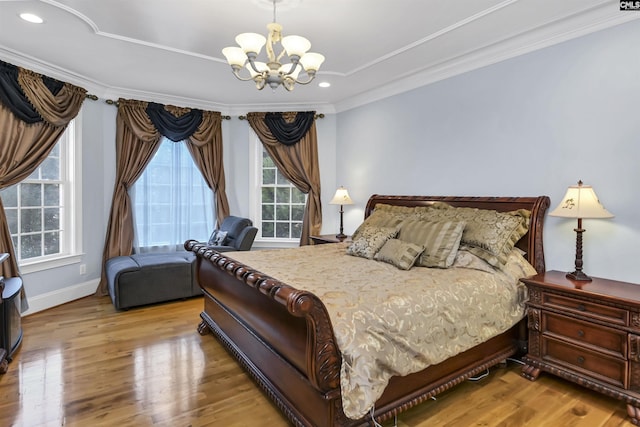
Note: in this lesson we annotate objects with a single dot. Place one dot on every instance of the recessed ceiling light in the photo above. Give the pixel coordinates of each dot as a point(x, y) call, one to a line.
point(30, 17)
point(324, 84)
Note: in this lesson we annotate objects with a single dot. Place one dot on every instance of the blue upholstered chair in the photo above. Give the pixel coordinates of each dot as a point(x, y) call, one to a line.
point(235, 234)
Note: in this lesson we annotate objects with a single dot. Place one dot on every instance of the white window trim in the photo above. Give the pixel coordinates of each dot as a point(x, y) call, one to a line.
point(72, 205)
point(255, 181)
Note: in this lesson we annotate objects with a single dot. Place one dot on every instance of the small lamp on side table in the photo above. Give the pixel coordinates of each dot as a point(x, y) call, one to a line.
point(341, 198)
point(580, 202)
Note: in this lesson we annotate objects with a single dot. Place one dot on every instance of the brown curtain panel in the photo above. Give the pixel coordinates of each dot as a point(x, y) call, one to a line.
point(137, 140)
point(299, 164)
point(24, 146)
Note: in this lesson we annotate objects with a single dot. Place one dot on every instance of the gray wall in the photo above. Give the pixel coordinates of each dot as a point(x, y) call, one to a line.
point(529, 126)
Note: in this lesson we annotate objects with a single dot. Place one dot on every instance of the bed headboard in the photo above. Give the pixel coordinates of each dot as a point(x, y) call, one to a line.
point(531, 243)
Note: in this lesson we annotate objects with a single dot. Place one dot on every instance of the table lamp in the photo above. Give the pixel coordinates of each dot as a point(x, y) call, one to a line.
point(341, 198)
point(580, 202)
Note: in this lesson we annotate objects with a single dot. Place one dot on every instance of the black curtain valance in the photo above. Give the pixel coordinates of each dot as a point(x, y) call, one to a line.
point(289, 133)
point(13, 97)
point(172, 127)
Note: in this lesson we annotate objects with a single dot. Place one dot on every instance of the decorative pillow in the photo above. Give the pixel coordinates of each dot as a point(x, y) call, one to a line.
point(370, 240)
point(379, 218)
point(488, 234)
point(465, 259)
point(399, 253)
point(440, 240)
point(218, 238)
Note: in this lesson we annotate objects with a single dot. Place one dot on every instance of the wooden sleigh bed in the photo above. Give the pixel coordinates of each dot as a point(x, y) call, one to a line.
point(284, 338)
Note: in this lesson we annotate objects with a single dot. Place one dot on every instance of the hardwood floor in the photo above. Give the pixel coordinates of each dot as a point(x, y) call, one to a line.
point(84, 364)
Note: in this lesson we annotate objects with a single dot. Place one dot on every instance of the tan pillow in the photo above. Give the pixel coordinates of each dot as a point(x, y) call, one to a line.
point(380, 218)
point(399, 253)
point(440, 240)
point(370, 240)
point(488, 234)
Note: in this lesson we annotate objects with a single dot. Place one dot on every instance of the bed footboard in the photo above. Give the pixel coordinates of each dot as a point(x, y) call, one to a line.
point(279, 334)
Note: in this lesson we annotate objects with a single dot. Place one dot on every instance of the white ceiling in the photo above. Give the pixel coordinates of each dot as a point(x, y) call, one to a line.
point(170, 50)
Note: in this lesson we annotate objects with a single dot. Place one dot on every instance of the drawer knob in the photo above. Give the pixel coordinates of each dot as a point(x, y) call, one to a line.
point(580, 360)
point(581, 307)
point(580, 333)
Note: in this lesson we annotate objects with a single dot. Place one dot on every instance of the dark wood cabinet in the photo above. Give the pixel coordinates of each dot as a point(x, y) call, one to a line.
point(586, 332)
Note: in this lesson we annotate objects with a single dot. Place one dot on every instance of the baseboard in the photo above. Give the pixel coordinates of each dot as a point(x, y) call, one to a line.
point(60, 296)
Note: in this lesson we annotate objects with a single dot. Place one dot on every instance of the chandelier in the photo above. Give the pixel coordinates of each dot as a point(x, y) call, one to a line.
point(274, 72)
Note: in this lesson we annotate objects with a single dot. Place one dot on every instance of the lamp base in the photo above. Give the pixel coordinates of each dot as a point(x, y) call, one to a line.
point(579, 276)
point(341, 236)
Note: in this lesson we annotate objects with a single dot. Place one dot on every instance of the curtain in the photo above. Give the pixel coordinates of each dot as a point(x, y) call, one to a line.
point(34, 112)
point(297, 159)
point(183, 209)
point(139, 125)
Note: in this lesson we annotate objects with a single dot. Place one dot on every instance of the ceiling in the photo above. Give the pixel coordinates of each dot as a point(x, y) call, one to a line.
point(169, 51)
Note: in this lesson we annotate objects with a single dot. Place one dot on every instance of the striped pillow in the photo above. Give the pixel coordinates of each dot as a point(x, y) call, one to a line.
point(399, 253)
point(440, 240)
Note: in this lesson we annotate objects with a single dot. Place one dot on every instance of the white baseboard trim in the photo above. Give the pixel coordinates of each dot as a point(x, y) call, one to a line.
point(61, 296)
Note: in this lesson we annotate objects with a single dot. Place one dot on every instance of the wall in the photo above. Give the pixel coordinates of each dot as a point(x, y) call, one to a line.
point(528, 126)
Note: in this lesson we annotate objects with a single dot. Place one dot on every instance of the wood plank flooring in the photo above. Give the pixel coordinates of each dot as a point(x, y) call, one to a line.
point(84, 364)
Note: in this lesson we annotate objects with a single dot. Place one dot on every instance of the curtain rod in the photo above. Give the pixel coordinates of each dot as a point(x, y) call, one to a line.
point(112, 102)
point(317, 116)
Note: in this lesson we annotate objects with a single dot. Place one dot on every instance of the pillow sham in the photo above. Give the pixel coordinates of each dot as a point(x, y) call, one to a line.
point(440, 240)
point(370, 240)
point(379, 218)
point(488, 234)
point(399, 253)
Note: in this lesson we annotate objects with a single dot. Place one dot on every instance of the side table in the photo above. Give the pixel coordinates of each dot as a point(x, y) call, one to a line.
point(328, 238)
point(587, 333)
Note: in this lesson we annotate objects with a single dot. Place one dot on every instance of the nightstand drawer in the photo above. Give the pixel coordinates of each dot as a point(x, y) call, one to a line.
point(587, 362)
point(584, 308)
point(599, 338)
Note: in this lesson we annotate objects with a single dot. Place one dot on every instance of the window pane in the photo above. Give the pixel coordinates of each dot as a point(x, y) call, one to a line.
point(283, 195)
point(297, 213)
point(50, 169)
point(31, 194)
point(296, 230)
point(268, 176)
point(51, 219)
point(268, 212)
point(267, 161)
point(30, 220)
point(298, 196)
point(51, 243)
point(268, 229)
point(282, 213)
point(10, 196)
point(12, 220)
point(30, 246)
point(282, 230)
point(268, 194)
point(51, 195)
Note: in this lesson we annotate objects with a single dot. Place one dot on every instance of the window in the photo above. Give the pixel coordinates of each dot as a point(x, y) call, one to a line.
point(43, 211)
point(172, 202)
point(280, 205)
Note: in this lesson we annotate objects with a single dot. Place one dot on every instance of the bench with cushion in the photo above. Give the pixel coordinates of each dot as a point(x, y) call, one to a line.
point(150, 278)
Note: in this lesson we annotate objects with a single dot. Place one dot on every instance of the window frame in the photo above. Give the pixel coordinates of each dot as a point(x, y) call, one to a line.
point(255, 196)
point(71, 193)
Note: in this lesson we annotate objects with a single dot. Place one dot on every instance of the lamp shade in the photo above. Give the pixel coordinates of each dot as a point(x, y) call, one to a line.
point(251, 42)
point(295, 45)
point(580, 201)
point(235, 56)
point(341, 197)
point(311, 61)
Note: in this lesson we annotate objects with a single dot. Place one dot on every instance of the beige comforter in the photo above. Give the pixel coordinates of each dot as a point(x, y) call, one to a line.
point(391, 322)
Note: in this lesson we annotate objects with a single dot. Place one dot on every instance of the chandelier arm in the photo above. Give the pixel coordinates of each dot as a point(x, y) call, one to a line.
point(236, 72)
point(311, 77)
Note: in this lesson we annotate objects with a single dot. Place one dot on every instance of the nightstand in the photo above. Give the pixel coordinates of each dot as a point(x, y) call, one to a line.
point(587, 333)
point(328, 238)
